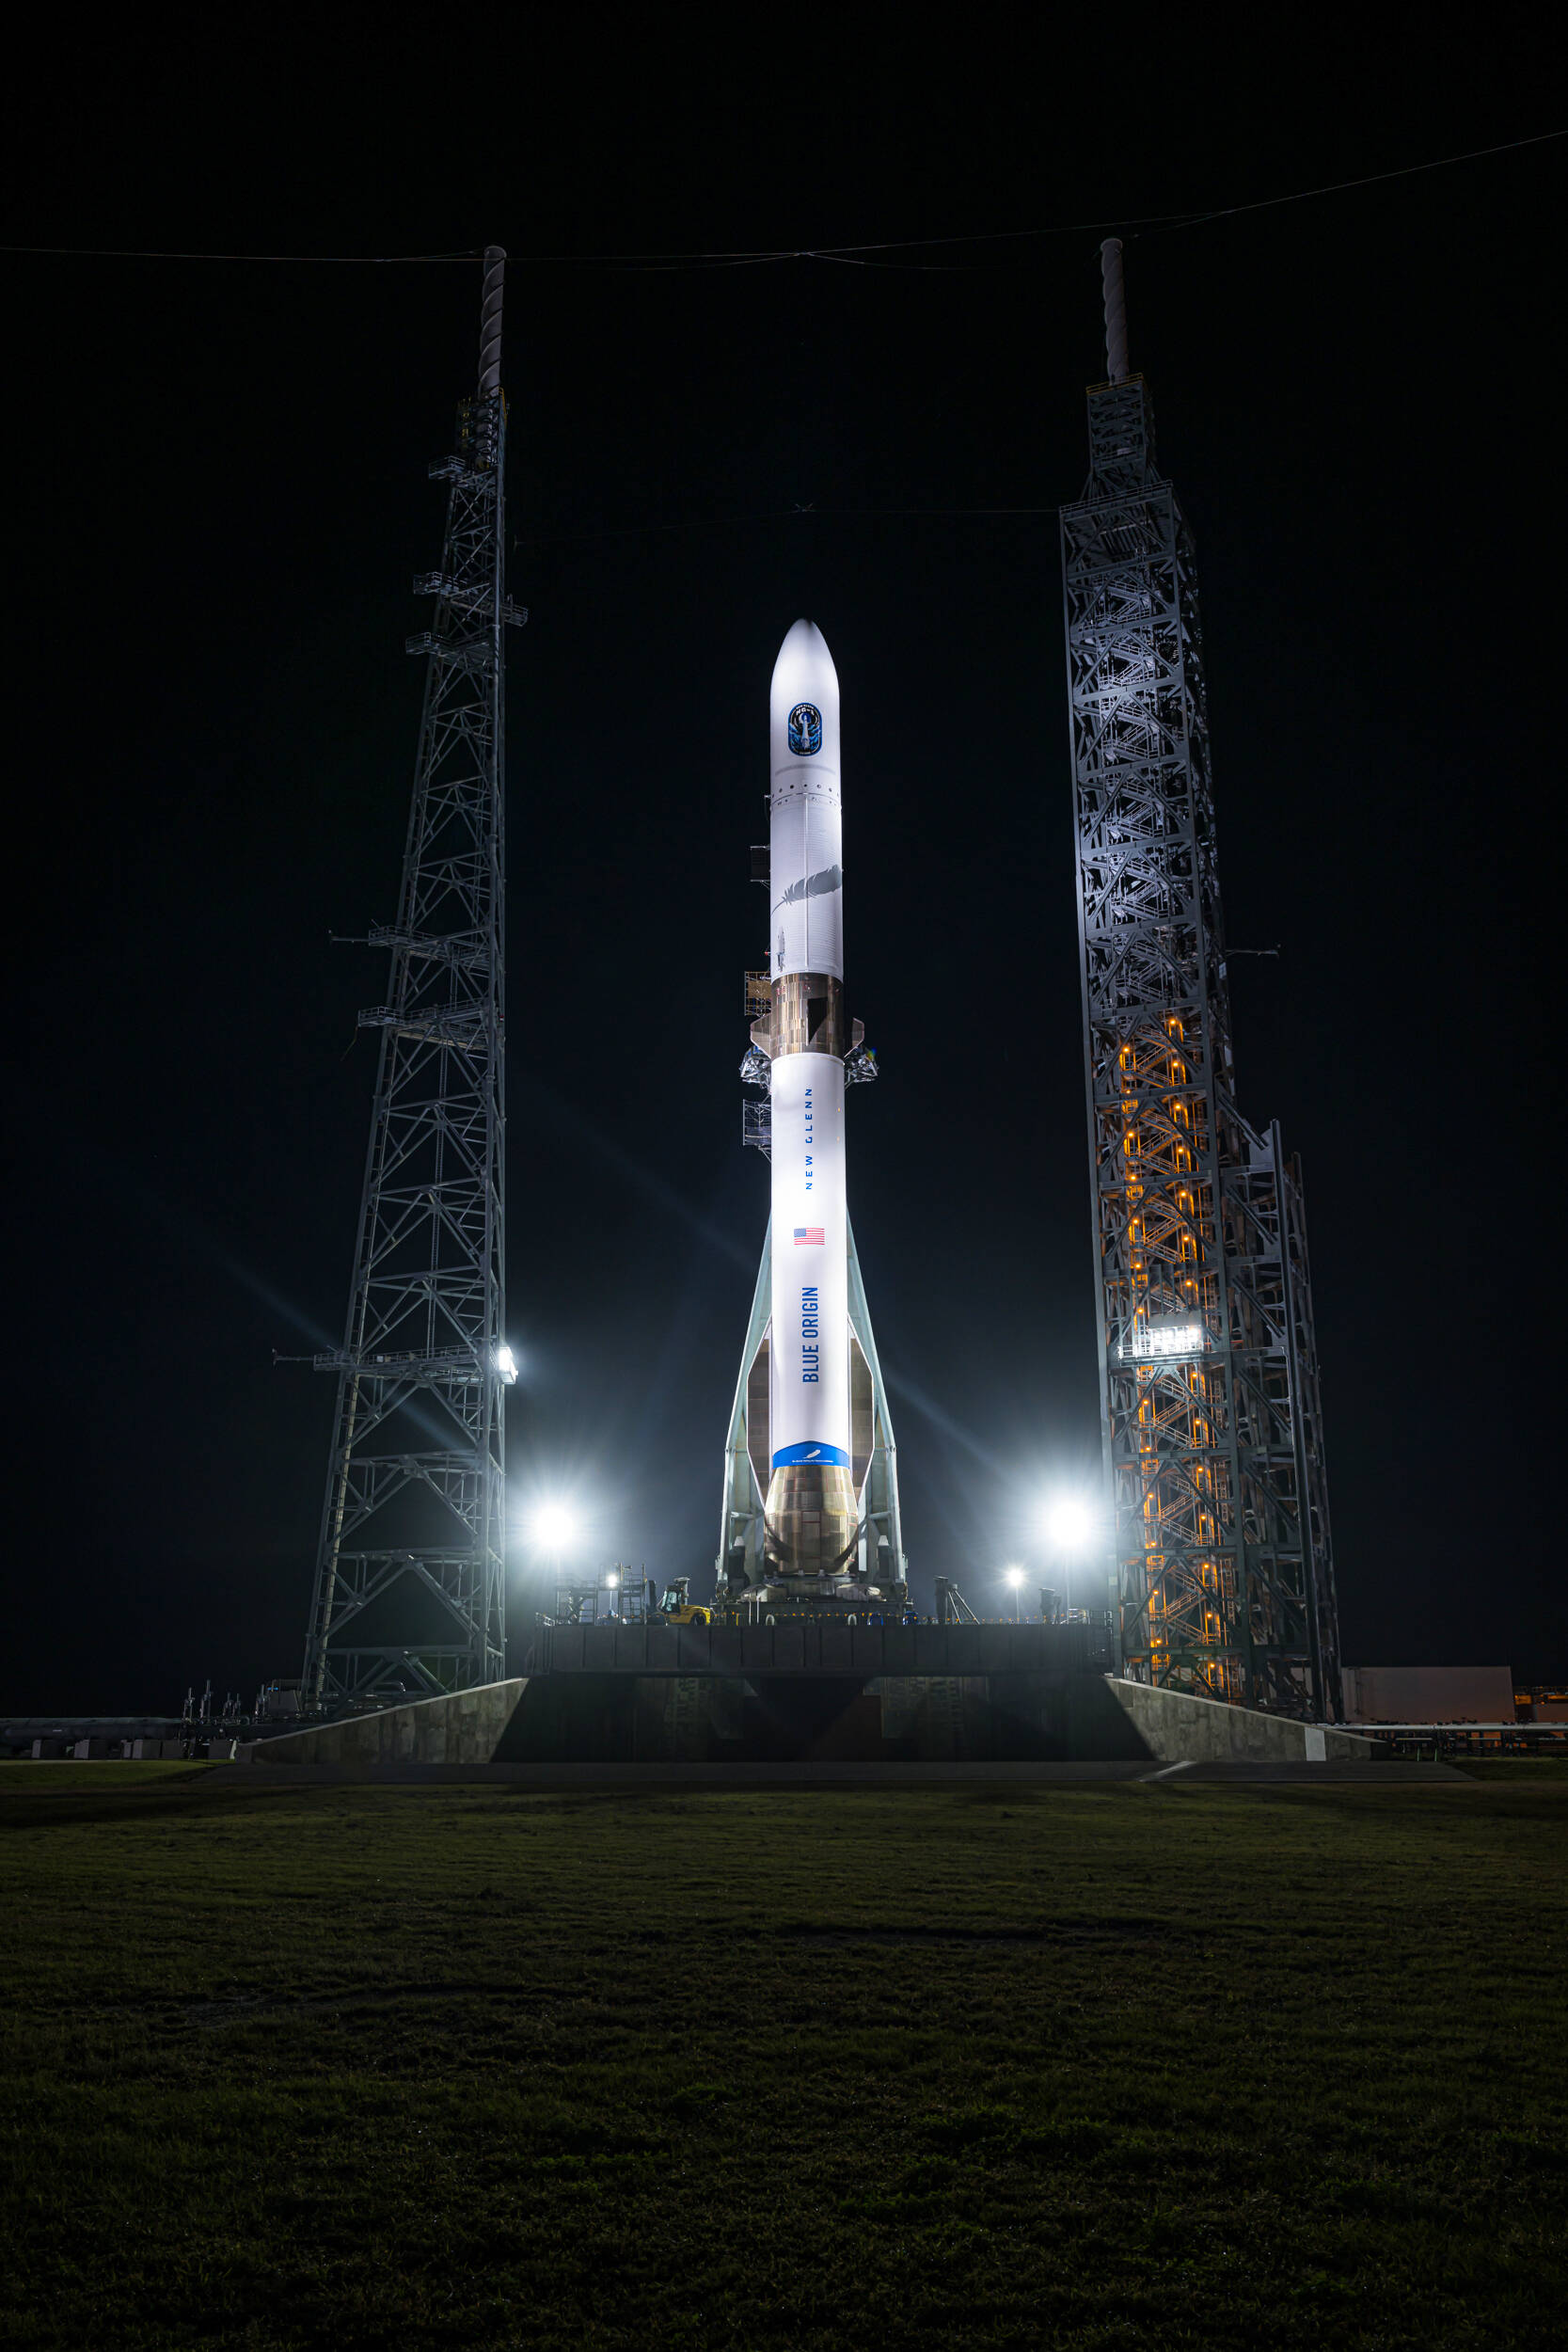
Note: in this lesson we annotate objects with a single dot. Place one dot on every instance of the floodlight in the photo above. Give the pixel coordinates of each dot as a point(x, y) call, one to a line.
point(1014, 1577)
point(1069, 1522)
point(1164, 1339)
point(506, 1363)
point(553, 1527)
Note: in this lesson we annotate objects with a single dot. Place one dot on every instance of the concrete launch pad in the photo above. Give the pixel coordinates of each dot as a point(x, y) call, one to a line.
point(816, 1694)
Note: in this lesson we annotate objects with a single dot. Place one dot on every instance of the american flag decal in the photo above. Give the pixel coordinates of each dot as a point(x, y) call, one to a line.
point(808, 1234)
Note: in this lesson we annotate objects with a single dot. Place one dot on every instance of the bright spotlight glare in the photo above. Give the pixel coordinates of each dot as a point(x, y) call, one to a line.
point(612, 1580)
point(554, 1526)
point(506, 1363)
point(1069, 1522)
point(1014, 1577)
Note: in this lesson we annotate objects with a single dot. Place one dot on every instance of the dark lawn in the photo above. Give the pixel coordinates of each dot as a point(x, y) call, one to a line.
point(1088, 2066)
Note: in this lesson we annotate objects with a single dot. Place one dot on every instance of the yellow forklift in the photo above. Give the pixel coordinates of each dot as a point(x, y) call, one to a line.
point(678, 1608)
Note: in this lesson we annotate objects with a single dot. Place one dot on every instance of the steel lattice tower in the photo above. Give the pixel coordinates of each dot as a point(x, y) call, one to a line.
point(1211, 1418)
point(411, 1570)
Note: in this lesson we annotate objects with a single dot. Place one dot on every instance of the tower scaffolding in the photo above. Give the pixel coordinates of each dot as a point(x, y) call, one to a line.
point(410, 1566)
point(1212, 1420)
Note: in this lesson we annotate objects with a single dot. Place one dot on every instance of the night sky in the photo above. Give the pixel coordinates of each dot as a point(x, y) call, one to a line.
point(219, 490)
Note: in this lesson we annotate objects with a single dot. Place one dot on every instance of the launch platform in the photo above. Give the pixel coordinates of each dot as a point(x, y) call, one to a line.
point(815, 1692)
point(822, 1644)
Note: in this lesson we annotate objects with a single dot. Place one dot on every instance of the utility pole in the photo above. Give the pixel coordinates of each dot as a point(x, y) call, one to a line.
point(410, 1567)
point(1211, 1418)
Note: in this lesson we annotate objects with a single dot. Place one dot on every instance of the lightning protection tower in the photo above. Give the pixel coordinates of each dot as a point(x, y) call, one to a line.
point(1211, 1418)
point(409, 1585)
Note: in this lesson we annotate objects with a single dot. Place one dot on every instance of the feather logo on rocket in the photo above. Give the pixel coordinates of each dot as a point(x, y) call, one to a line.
point(805, 730)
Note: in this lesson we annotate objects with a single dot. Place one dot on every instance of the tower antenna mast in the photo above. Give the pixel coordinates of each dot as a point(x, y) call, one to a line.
point(1211, 1417)
point(411, 1566)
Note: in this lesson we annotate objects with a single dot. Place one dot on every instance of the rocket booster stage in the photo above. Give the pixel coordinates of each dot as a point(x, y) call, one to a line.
point(811, 1512)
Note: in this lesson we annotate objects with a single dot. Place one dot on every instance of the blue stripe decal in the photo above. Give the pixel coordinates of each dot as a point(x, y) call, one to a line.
point(833, 1456)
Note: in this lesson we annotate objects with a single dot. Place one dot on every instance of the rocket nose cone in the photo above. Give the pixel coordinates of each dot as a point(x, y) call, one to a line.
point(804, 666)
point(804, 637)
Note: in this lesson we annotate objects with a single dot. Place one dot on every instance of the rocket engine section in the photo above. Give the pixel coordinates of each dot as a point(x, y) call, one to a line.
point(812, 1514)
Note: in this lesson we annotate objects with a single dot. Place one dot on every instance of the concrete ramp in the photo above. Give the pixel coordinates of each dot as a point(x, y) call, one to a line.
point(1180, 1729)
point(465, 1727)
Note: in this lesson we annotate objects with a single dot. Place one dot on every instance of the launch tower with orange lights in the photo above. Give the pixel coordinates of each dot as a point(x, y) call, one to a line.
point(1210, 1416)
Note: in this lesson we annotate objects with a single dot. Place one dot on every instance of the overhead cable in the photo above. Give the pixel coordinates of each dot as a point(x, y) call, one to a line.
point(1193, 217)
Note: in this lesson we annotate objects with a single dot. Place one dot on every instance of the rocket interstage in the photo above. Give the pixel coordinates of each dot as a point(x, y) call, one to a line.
point(811, 1515)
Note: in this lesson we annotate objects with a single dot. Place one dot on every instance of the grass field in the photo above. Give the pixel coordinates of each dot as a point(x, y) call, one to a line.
point(1081, 2065)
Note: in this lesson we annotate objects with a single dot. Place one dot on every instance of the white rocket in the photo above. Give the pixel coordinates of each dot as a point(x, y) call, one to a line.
point(811, 1515)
